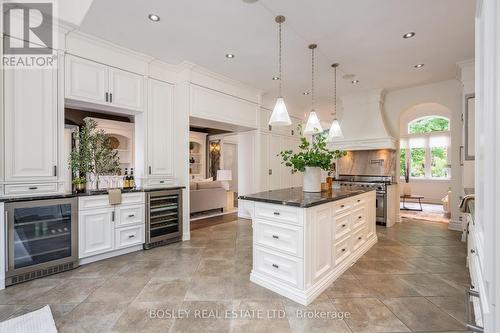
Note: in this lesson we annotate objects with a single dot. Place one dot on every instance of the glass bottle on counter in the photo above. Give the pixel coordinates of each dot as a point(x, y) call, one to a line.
point(126, 180)
point(131, 181)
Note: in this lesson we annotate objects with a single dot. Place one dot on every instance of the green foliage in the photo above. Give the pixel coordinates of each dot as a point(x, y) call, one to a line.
point(93, 154)
point(439, 166)
point(417, 156)
point(311, 154)
point(429, 124)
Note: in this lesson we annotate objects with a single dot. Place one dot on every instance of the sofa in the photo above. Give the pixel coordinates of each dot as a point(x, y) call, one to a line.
point(206, 195)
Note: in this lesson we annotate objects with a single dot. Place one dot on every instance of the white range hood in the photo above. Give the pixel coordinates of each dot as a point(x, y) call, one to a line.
point(362, 123)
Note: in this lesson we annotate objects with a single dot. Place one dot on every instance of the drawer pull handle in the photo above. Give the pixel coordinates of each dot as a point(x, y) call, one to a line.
point(162, 181)
point(359, 200)
point(131, 215)
point(360, 238)
point(472, 251)
point(33, 188)
point(277, 213)
point(131, 236)
point(343, 250)
point(342, 206)
point(276, 266)
point(359, 217)
point(276, 237)
point(343, 225)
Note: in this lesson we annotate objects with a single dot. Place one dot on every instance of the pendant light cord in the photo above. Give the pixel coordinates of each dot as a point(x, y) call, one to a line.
point(279, 59)
point(312, 79)
point(335, 92)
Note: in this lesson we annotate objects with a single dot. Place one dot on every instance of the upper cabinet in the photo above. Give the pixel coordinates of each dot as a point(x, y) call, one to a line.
point(31, 125)
point(160, 129)
point(91, 82)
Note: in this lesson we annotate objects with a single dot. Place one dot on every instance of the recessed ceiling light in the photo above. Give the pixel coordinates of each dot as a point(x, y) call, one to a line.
point(409, 35)
point(419, 65)
point(305, 93)
point(154, 17)
point(276, 78)
point(230, 56)
point(355, 81)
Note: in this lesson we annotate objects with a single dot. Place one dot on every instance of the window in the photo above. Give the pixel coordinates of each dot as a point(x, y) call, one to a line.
point(426, 148)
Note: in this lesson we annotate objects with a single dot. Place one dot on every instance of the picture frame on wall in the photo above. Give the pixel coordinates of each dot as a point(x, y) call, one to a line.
point(469, 125)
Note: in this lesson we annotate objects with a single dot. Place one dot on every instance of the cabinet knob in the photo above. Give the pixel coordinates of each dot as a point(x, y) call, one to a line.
point(342, 206)
point(131, 236)
point(162, 181)
point(33, 188)
point(276, 237)
point(359, 200)
point(472, 251)
point(359, 217)
point(131, 215)
point(343, 250)
point(360, 238)
point(276, 266)
point(277, 213)
point(343, 225)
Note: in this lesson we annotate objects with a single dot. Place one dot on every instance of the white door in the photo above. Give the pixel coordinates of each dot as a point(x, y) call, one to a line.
point(230, 160)
point(160, 128)
point(30, 124)
point(264, 162)
point(86, 80)
point(286, 172)
point(274, 162)
point(96, 232)
point(126, 89)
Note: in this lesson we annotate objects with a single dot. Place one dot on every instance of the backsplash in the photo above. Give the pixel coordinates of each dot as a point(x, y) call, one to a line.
point(368, 162)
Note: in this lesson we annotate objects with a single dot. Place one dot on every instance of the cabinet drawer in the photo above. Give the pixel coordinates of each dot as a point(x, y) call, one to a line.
point(30, 189)
point(159, 182)
point(278, 213)
point(342, 250)
point(102, 201)
point(357, 201)
point(342, 225)
point(280, 237)
point(358, 238)
point(129, 236)
point(341, 207)
point(358, 217)
point(287, 269)
point(130, 215)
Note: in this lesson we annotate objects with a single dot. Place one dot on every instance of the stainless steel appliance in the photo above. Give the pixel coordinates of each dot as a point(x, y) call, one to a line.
point(163, 217)
point(378, 183)
point(41, 238)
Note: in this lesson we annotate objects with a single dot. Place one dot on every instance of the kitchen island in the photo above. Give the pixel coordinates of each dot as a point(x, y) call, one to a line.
point(302, 242)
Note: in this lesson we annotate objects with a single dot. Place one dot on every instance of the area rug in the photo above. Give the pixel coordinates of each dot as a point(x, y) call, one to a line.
point(39, 321)
point(432, 213)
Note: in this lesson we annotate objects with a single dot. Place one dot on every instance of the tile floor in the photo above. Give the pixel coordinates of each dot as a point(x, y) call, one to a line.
point(412, 280)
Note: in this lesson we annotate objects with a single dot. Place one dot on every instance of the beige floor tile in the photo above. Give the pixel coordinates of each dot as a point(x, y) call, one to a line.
point(146, 317)
point(24, 293)
point(70, 291)
point(158, 290)
point(210, 288)
point(244, 289)
point(317, 317)
point(173, 270)
point(454, 306)
point(369, 315)
point(118, 290)
point(260, 317)
point(139, 269)
point(204, 317)
point(6, 311)
point(383, 267)
point(429, 285)
point(419, 314)
point(347, 286)
point(92, 317)
point(386, 286)
point(215, 267)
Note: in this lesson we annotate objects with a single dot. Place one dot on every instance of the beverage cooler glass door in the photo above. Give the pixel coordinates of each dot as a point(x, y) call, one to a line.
point(41, 233)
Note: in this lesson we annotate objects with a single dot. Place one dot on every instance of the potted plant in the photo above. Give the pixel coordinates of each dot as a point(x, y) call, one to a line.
point(311, 159)
point(407, 186)
point(79, 184)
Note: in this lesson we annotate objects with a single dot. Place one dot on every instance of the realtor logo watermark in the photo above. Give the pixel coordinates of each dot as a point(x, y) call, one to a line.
point(29, 31)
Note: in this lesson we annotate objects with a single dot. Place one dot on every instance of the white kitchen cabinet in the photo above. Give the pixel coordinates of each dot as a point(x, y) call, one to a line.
point(86, 80)
point(96, 83)
point(31, 125)
point(96, 231)
point(274, 162)
point(160, 129)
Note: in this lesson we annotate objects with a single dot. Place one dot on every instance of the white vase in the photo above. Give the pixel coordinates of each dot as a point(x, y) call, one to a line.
point(407, 189)
point(312, 180)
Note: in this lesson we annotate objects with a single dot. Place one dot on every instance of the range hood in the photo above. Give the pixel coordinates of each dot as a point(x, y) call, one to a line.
point(362, 124)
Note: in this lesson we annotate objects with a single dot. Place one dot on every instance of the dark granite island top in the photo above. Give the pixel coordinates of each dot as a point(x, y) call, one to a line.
point(296, 197)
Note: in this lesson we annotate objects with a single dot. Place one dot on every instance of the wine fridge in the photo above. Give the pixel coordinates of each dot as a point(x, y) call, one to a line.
point(163, 217)
point(41, 238)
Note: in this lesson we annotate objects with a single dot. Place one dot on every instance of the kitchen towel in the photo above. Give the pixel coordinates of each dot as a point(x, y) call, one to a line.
point(39, 321)
point(115, 196)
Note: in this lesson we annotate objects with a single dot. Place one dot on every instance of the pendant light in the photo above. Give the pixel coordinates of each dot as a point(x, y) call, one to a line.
point(335, 130)
point(313, 125)
point(280, 116)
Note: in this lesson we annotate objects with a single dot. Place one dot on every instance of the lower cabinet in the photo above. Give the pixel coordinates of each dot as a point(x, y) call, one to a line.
point(103, 228)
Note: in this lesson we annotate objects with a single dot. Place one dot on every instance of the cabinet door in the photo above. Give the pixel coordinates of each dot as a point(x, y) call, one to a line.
point(321, 243)
point(274, 162)
point(86, 80)
point(30, 124)
point(264, 162)
point(126, 89)
point(160, 128)
point(297, 177)
point(96, 232)
point(285, 172)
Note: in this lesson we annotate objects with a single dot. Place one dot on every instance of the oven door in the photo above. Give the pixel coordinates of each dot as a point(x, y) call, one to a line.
point(380, 204)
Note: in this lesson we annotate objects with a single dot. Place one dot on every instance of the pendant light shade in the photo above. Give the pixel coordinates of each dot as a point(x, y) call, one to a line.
point(313, 125)
point(335, 130)
point(280, 116)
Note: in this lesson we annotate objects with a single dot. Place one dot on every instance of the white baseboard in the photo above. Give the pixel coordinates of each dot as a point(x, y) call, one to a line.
point(111, 254)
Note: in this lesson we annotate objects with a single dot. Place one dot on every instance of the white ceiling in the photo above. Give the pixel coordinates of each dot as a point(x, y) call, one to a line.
point(364, 36)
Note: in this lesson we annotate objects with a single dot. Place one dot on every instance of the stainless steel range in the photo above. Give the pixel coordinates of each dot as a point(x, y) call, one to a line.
point(378, 183)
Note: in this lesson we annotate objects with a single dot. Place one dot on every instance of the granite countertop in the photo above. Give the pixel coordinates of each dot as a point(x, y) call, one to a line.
point(296, 197)
point(86, 194)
